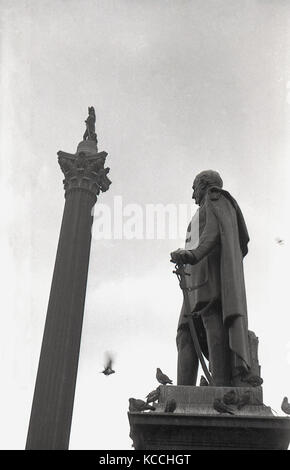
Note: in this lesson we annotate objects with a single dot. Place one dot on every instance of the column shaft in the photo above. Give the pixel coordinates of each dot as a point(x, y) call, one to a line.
point(52, 407)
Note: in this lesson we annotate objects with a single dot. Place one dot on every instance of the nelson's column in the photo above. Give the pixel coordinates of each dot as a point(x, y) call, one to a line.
point(52, 407)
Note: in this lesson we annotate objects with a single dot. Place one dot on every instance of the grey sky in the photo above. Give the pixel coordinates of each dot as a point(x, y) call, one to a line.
point(178, 87)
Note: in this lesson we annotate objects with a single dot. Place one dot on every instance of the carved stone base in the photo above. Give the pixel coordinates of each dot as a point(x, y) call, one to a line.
point(196, 425)
point(87, 147)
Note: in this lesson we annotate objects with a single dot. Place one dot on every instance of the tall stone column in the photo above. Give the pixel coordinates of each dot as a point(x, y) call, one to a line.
point(51, 414)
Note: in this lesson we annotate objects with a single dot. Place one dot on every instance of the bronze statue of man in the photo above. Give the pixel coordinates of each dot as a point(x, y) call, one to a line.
point(216, 243)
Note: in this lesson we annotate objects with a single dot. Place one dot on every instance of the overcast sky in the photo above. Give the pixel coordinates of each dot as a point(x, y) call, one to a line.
point(178, 87)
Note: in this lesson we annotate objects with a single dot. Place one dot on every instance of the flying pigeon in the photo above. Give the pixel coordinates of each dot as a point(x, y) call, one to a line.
point(162, 378)
point(170, 406)
point(244, 399)
point(222, 407)
point(203, 382)
point(108, 367)
point(139, 405)
point(285, 406)
point(253, 380)
point(153, 396)
point(230, 398)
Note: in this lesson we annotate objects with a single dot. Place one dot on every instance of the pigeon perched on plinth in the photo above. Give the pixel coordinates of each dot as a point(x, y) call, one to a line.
point(136, 404)
point(162, 378)
point(285, 406)
point(170, 406)
point(230, 398)
point(244, 399)
point(108, 370)
point(153, 396)
point(221, 407)
point(253, 380)
point(203, 382)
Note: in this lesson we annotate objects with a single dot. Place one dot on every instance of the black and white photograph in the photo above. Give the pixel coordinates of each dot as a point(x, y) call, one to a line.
point(145, 227)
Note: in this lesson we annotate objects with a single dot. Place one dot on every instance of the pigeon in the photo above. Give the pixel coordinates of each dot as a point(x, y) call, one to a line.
point(222, 407)
point(244, 399)
point(162, 378)
point(108, 367)
point(139, 405)
point(230, 398)
point(279, 241)
point(153, 396)
point(170, 406)
point(203, 382)
point(285, 406)
point(253, 380)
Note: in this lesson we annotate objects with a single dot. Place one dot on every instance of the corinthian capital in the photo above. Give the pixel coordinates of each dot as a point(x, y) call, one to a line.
point(85, 169)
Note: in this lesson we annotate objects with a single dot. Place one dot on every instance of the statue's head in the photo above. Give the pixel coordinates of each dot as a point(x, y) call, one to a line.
point(91, 110)
point(202, 182)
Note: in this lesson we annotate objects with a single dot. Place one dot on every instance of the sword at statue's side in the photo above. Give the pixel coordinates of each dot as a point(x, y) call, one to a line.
point(180, 273)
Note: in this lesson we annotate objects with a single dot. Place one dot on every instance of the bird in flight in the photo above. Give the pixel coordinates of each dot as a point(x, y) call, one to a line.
point(108, 367)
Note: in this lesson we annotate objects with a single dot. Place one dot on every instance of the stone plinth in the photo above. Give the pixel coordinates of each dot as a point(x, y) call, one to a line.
point(196, 425)
point(199, 400)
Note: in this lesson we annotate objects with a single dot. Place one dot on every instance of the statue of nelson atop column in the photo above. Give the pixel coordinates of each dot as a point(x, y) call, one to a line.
point(90, 132)
point(216, 244)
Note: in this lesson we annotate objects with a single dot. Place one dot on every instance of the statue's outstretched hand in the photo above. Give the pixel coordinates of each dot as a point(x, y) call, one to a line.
point(181, 256)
